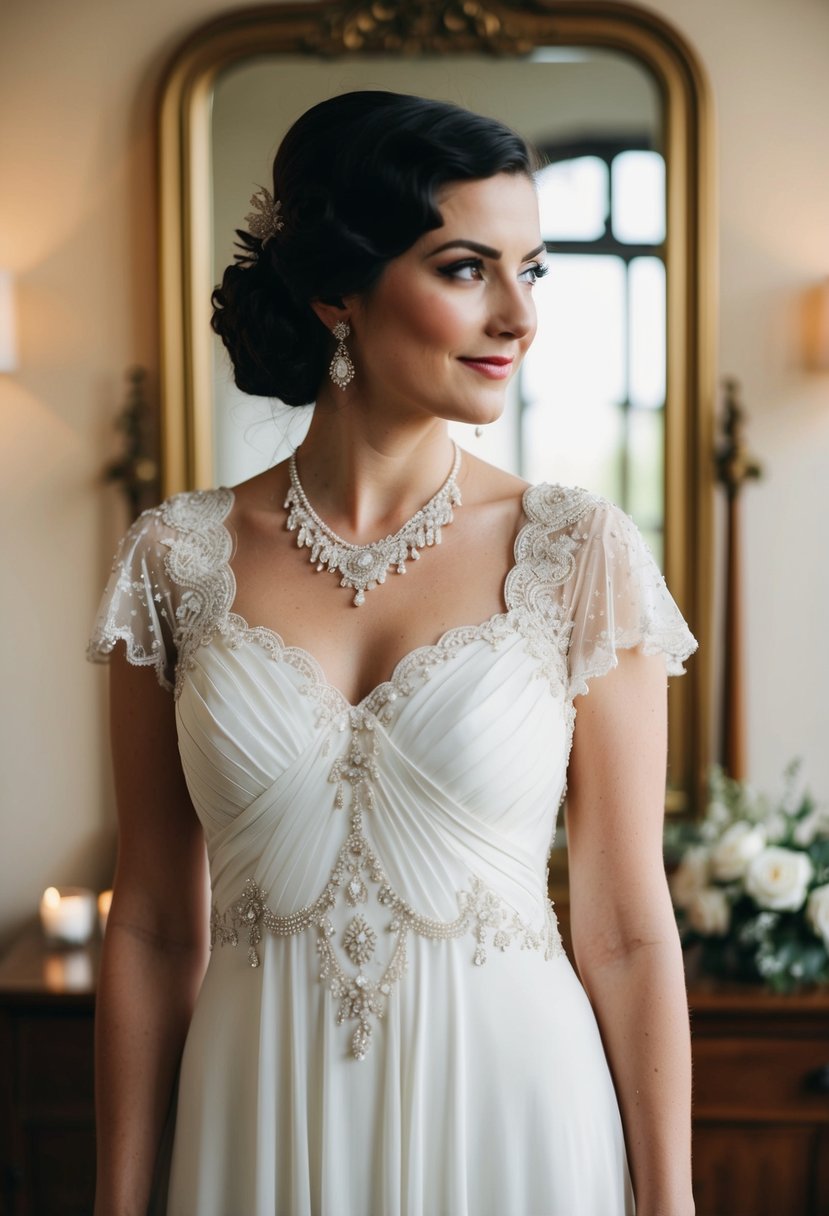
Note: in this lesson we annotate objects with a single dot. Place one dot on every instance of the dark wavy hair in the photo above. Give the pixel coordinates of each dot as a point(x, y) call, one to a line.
point(357, 177)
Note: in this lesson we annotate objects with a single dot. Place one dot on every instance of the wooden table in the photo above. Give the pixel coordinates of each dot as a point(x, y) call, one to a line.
point(47, 1125)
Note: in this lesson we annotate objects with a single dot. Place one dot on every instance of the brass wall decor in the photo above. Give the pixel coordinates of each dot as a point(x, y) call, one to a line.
point(422, 27)
point(504, 31)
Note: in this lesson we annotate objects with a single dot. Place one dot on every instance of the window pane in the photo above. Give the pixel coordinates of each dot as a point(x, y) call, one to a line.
point(646, 473)
point(647, 333)
point(574, 375)
point(577, 443)
point(579, 348)
point(573, 199)
point(638, 198)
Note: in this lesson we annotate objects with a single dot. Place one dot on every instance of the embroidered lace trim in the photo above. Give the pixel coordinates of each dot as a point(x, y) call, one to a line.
point(191, 593)
point(199, 560)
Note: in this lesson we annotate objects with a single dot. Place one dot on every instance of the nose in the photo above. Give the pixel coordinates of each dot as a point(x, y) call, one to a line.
point(512, 312)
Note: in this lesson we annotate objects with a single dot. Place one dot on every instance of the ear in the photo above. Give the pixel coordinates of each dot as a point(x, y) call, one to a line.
point(330, 313)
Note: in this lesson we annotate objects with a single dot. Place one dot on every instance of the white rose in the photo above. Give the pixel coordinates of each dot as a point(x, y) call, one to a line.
point(778, 879)
point(737, 846)
point(709, 912)
point(817, 912)
point(690, 876)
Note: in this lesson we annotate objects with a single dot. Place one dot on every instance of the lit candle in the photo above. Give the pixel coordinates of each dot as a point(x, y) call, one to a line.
point(104, 902)
point(68, 971)
point(67, 915)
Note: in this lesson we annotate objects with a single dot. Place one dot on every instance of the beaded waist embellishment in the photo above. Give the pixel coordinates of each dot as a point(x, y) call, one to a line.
point(481, 910)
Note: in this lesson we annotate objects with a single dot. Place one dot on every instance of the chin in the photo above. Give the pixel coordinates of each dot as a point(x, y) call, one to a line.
point(478, 412)
point(484, 414)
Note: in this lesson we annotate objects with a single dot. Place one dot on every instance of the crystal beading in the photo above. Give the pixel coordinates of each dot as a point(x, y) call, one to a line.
point(481, 910)
point(264, 221)
point(362, 567)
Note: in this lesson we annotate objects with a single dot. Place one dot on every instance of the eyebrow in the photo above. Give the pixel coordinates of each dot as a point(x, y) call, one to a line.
point(485, 251)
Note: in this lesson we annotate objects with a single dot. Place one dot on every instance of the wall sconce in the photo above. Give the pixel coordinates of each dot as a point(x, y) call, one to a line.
point(816, 327)
point(8, 334)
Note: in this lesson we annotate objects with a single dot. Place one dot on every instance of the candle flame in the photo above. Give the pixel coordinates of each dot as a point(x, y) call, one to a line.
point(51, 897)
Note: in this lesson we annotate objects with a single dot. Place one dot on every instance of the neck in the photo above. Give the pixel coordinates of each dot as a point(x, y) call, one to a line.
point(366, 479)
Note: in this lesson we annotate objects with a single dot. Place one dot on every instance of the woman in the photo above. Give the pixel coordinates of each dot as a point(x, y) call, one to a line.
point(388, 1023)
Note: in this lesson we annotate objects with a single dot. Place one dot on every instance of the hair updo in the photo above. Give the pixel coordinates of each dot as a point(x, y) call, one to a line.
point(356, 177)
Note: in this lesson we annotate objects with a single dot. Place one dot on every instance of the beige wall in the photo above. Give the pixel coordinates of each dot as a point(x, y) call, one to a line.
point(77, 88)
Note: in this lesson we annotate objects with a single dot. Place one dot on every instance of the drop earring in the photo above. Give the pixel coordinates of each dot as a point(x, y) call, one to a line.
point(479, 430)
point(341, 369)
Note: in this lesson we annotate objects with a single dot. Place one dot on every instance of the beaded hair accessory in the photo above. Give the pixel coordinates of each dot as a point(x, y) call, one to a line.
point(264, 221)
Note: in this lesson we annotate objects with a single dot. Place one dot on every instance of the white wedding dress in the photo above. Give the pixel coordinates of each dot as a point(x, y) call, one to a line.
point(388, 1025)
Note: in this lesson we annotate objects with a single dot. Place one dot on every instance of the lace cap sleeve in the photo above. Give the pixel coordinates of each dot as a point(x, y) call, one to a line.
point(139, 603)
point(616, 598)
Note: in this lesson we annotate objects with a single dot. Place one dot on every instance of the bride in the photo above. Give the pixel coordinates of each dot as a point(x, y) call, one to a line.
point(379, 653)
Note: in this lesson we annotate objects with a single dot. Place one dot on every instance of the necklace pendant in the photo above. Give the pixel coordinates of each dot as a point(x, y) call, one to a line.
point(362, 567)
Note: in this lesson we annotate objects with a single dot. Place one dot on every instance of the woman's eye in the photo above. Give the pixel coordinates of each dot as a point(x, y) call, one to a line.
point(535, 272)
point(472, 270)
point(469, 270)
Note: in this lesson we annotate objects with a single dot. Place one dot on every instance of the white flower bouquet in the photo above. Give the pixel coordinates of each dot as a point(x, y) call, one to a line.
point(752, 885)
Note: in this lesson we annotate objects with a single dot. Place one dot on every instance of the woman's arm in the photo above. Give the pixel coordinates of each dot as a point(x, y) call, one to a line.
point(156, 940)
point(624, 933)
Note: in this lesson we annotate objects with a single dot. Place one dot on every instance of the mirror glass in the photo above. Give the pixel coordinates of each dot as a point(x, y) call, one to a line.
point(589, 405)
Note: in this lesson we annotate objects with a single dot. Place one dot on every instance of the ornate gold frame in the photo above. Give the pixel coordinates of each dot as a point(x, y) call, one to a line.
point(501, 28)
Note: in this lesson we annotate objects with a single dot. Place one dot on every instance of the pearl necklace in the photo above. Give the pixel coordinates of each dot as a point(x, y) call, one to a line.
point(362, 567)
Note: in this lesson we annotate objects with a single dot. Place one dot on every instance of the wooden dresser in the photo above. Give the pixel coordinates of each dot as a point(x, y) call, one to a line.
point(761, 1101)
point(47, 1125)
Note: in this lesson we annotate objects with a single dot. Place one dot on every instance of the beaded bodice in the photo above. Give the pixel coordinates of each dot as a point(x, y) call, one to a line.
point(429, 809)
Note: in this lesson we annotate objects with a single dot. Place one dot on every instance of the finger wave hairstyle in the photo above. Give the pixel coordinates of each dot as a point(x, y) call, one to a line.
point(357, 178)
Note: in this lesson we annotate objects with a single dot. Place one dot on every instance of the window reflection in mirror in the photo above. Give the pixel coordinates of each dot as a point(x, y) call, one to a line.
point(592, 392)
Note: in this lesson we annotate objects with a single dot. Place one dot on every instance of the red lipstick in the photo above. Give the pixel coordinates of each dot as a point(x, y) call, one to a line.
point(495, 367)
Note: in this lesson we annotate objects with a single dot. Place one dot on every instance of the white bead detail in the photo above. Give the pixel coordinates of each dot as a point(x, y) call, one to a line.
point(362, 567)
point(480, 909)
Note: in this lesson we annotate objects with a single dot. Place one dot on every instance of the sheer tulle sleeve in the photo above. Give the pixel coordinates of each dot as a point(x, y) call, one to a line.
point(138, 605)
point(616, 598)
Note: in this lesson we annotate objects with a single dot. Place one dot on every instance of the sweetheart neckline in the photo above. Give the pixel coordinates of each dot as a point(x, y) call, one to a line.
point(378, 696)
point(391, 682)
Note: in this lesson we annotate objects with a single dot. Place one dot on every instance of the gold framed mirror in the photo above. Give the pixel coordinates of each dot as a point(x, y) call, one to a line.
point(467, 49)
